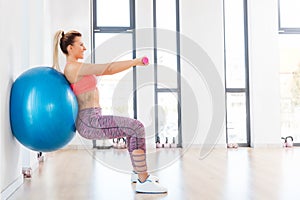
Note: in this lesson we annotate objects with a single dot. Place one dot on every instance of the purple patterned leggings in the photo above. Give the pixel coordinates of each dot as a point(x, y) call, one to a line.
point(91, 124)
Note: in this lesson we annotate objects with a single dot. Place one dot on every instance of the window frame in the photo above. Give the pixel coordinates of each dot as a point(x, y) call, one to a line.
point(285, 30)
point(245, 89)
point(176, 90)
point(116, 29)
point(113, 29)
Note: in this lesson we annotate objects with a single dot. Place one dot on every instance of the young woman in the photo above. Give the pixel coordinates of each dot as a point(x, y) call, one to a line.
point(90, 123)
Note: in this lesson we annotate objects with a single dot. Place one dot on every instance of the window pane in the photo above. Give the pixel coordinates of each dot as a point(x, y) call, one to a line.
point(236, 118)
point(290, 85)
point(100, 38)
point(113, 13)
point(107, 84)
point(108, 46)
point(234, 44)
point(166, 70)
point(163, 20)
point(167, 58)
point(167, 117)
point(289, 13)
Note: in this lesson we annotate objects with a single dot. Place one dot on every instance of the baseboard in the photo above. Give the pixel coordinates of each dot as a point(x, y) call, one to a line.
point(7, 192)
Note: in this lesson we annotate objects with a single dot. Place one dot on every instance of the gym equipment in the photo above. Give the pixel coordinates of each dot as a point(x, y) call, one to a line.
point(288, 141)
point(118, 144)
point(43, 109)
point(166, 144)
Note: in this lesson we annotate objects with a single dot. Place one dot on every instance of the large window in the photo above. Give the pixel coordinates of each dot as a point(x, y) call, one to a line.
point(236, 72)
point(168, 98)
point(107, 25)
point(113, 18)
point(289, 16)
point(289, 46)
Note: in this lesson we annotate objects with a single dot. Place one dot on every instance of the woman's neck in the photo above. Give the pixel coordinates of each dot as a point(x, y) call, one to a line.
point(71, 59)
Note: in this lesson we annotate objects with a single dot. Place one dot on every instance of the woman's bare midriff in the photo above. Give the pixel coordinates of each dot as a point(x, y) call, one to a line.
point(88, 99)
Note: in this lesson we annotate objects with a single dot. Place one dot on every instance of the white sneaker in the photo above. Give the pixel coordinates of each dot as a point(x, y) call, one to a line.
point(135, 177)
point(150, 186)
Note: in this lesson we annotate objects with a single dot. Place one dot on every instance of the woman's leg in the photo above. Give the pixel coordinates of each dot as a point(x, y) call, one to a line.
point(92, 125)
point(138, 159)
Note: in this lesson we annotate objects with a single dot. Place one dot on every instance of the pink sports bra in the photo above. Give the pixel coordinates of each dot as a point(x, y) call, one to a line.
point(85, 84)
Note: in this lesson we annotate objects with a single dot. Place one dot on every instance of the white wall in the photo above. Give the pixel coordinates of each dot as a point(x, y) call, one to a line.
point(27, 29)
point(71, 15)
point(22, 40)
point(264, 72)
point(202, 22)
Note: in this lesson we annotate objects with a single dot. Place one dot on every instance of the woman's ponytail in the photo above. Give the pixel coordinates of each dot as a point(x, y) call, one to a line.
point(62, 40)
point(56, 42)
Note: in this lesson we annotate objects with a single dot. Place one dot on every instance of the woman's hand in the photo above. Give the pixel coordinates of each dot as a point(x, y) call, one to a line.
point(143, 61)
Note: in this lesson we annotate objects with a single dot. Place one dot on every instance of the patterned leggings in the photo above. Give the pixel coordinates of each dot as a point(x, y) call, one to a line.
point(91, 124)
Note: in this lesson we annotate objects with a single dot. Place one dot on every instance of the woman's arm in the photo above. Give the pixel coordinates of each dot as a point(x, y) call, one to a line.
point(108, 68)
point(75, 70)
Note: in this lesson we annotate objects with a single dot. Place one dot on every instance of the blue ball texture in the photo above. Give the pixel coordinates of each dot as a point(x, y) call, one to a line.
point(43, 109)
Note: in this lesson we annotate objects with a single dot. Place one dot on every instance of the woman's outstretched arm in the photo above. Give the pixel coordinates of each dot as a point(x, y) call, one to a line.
point(105, 69)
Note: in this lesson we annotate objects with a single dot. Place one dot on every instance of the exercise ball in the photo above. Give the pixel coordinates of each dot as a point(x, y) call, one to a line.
point(43, 109)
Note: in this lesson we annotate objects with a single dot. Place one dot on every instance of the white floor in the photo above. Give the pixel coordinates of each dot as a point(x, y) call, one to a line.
point(242, 174)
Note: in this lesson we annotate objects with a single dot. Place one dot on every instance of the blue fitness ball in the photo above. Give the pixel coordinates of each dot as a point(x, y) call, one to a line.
point(43, 109)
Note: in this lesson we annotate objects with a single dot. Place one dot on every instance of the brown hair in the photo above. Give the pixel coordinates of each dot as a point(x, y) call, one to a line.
point(63, 40)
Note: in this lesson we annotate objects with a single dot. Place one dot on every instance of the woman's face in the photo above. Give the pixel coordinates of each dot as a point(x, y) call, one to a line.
point(77, 48)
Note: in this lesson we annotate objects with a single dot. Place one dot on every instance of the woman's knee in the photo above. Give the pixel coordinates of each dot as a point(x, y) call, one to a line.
point(140, 128)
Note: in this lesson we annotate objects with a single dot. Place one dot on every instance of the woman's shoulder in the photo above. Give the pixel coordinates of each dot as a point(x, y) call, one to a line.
point(71, 71)
point(72, 67)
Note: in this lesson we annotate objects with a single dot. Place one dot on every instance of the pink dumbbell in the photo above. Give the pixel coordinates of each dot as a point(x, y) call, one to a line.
point(145, 60)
